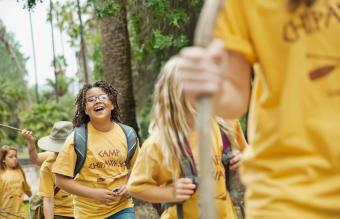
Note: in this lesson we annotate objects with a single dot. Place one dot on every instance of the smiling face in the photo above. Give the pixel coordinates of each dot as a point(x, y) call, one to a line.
point(98, 106)
point(11, 159)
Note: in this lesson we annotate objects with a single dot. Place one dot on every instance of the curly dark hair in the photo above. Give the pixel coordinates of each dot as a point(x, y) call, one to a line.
point(294, 4)
point(80, 117)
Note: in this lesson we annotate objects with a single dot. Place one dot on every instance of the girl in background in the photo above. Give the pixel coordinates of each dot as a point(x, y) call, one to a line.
point(157, 176)
point(13, 184)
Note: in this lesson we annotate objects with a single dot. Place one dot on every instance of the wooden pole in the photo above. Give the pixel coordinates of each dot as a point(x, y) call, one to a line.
point(207, 192)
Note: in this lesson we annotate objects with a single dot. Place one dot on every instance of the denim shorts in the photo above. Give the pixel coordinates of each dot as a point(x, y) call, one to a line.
point(127, 213)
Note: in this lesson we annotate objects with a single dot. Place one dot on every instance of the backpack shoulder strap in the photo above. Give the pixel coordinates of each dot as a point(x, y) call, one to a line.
point(56, 190)
point(131, 138)
point(80, 147)
point(226, 150)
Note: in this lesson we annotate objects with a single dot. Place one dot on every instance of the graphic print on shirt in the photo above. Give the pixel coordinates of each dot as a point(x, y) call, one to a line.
point(316, 21)
point(105, 159)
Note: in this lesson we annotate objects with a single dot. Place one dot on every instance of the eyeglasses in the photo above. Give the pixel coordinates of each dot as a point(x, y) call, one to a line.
point(93, 99)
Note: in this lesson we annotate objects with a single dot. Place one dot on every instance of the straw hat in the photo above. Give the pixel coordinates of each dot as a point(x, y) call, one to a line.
point(56, 139)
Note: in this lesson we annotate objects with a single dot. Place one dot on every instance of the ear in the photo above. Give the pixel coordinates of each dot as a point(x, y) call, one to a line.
point(112, 107)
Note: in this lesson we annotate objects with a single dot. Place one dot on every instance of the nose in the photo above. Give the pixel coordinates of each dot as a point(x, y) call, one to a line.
point(98, 100)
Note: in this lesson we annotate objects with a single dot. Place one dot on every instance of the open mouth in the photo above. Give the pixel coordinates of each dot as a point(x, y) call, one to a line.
point(98, 108)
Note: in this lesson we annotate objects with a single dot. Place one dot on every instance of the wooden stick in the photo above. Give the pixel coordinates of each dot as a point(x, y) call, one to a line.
point(10, 127)
point(207, 192)
point(14, 129)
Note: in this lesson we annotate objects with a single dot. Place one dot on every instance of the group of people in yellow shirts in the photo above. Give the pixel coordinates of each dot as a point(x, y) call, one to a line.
point(104, 185)
point(291, 168)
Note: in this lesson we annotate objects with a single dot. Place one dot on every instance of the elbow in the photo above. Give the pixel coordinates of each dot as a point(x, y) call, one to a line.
point(235, 109)
point(138, 195)
point(60, 180)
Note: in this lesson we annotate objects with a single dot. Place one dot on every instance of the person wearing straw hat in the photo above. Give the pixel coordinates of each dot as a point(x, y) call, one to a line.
point(57, 203)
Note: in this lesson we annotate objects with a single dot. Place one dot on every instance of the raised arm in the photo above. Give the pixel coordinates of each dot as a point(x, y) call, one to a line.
point(31, 147)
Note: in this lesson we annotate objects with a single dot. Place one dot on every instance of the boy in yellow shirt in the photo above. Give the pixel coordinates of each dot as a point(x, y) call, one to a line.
point(292, 169)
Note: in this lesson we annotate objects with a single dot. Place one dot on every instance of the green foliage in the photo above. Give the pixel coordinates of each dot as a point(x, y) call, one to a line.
point(63, 83)
point(68, 22)
point(243, 122)
point(106, 8)
point(12, 87)
point(8, 68)
point(143, 119)
point(41, 117)
point(158, 30)
point(10, 96)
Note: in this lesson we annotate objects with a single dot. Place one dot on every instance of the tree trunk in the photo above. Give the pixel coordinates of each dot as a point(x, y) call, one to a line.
point(117, 62)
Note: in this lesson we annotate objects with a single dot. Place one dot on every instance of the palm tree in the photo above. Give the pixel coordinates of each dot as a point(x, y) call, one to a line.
point(116, 53)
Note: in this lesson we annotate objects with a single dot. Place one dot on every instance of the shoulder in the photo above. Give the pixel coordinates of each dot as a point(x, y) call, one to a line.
point(151, 146)
point(151, 143)
point(48, 163)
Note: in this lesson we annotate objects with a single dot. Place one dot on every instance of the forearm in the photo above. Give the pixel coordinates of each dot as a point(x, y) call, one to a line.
point(48, 208)
point(232, 103)
point(233, 98)
point(72, 187)
point(33, 154)
point(156, 194)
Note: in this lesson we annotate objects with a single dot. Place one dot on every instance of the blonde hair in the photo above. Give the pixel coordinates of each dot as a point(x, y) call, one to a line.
point(228, 128)
point(170, 111)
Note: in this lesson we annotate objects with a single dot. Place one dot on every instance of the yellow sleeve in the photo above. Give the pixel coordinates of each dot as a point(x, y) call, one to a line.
point(240, 136)
point(233, 29)
point(134, 157)
point(46, 181)
point(45, 155)
point(146, 170)
point(66, 160)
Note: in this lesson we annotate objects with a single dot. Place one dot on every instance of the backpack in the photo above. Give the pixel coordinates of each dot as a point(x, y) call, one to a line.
point(80, 144)
point(233, 183)
point(37, 205)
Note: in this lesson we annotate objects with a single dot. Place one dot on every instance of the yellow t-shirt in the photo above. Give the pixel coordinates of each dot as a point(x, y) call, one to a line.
point(63, 202)
point(12, 188)
point(292, 169)
point(104, 167)
point(46, 154)
point(150, 171)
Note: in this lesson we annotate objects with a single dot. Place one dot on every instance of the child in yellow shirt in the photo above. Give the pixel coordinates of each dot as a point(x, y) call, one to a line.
point(13, 184)
point(57, 203)
point(100, 187)
point(157, 176)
